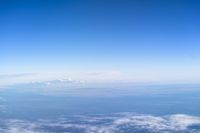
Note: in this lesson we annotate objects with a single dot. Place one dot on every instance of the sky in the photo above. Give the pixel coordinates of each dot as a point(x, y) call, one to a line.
point(100, 40)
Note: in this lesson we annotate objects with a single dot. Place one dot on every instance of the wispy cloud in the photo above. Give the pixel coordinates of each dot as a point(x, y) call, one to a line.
point(90, 76)
point(9, 79)
point(15, 75)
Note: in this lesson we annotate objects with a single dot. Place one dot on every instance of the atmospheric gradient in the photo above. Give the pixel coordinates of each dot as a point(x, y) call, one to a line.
point(99, 66)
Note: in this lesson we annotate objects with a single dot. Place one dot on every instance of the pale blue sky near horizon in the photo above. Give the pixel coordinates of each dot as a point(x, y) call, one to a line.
point(137, 40)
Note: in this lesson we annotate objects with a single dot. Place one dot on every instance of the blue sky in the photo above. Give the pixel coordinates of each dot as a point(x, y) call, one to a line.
point(129, 40)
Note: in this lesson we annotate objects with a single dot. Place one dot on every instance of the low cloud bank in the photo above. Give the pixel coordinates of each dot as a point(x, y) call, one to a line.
point(114, 123)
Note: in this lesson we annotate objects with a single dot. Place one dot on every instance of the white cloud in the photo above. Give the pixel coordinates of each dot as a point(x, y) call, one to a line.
point(176, 122)
point(90, 76)
point(107, 124)
point(56, 83)
point(19, 126)
point(49, 87)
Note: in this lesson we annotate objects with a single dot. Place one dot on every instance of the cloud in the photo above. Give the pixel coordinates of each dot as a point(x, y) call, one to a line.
point(10, 79)
point(90, 76)
point(104, 75)
point(178, 122)
point(35, 79)
point(18, 126)
point(2, 76)
point(125, 122)
point(50, 87)
point(58, 83)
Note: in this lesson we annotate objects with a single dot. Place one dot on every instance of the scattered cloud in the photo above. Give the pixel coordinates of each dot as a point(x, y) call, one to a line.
point(90, 76)
point(125, 122)
point(49, 87)
point(57, 83)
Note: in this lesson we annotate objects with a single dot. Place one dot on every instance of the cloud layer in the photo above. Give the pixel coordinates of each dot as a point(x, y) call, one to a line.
point(115, 123)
